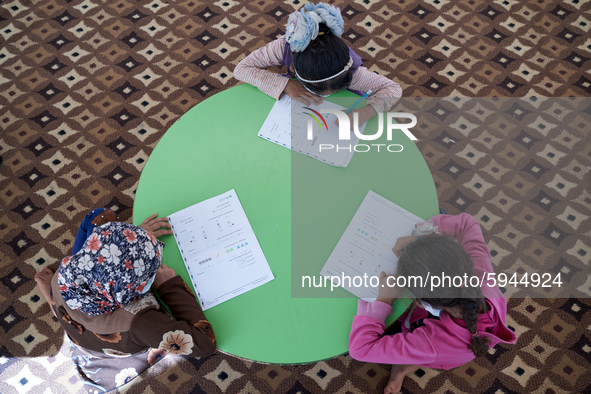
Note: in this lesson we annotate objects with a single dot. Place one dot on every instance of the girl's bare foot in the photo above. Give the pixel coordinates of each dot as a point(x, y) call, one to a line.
point(43, 279)
point(396, 377)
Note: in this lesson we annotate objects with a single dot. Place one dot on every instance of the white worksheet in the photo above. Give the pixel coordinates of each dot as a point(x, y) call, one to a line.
point(366, 245)
point(286, 125)
point(219, 248)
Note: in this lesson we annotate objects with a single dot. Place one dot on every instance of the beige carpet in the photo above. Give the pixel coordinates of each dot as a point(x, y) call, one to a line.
point(87, 88)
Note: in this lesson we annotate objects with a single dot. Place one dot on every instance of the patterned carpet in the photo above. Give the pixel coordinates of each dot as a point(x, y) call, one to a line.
point(88, 87)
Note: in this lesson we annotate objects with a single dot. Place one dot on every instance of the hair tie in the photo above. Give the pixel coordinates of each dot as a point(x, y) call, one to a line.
point(303, 25)
point(330, 15)
point(475, 334)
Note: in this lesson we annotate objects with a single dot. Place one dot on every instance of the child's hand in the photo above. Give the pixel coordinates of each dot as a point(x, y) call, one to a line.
point(163, 274)
point(401, 243)
point(350, 116)
point(388, 291)
point(364, 114)
point(152, 224)
point(296, 91)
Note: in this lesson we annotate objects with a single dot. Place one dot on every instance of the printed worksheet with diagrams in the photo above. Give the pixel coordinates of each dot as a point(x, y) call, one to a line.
point(366, 245)
point(219, 248)
point(287, 125)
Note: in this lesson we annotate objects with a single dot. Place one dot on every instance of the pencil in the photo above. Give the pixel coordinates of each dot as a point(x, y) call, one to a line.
point(358, 101)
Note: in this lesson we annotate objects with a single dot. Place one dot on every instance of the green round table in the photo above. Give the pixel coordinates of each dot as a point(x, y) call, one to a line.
point(214, 148)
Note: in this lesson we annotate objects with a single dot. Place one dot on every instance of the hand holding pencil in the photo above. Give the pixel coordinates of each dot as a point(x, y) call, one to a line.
point(358, 101)
point(364, 114)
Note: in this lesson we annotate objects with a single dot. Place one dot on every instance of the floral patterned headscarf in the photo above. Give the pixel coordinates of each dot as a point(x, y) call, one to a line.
point(111, 270)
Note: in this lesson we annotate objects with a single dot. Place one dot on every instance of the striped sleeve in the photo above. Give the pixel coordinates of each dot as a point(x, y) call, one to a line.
point(385, 92)
point(252, 69)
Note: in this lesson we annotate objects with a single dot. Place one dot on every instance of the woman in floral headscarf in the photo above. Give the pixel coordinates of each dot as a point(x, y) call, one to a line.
point(101, 296)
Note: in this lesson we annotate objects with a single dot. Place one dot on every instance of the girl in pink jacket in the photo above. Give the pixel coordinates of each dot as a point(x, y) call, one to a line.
point(443, 328)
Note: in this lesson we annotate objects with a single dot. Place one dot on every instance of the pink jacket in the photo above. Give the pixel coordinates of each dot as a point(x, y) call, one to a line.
point(434, 343)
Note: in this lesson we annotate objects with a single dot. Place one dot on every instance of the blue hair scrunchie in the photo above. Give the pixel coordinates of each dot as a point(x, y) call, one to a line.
point(302, 25)
point(330, 15)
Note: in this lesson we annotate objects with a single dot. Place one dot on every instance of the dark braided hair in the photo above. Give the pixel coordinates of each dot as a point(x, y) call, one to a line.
point(326, 55)
point(434, 255)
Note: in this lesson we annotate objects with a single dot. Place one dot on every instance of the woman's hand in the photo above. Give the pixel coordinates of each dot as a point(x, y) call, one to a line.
point(387, 292)
point(401, 244)
point(153, 225)
point(298, 92)
point(163, 274)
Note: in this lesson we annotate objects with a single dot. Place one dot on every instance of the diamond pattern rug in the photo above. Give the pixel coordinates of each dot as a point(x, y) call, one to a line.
point(87, 88)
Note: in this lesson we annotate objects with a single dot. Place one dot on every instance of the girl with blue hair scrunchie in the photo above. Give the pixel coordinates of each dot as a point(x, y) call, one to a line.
point(318, 63)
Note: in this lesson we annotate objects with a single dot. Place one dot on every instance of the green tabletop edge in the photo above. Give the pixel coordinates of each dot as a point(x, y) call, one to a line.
point(163, 190)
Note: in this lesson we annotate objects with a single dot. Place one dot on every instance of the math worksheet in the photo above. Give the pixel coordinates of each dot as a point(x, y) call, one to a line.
point(366, 245)
point(287, 125)
point(219, 248)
